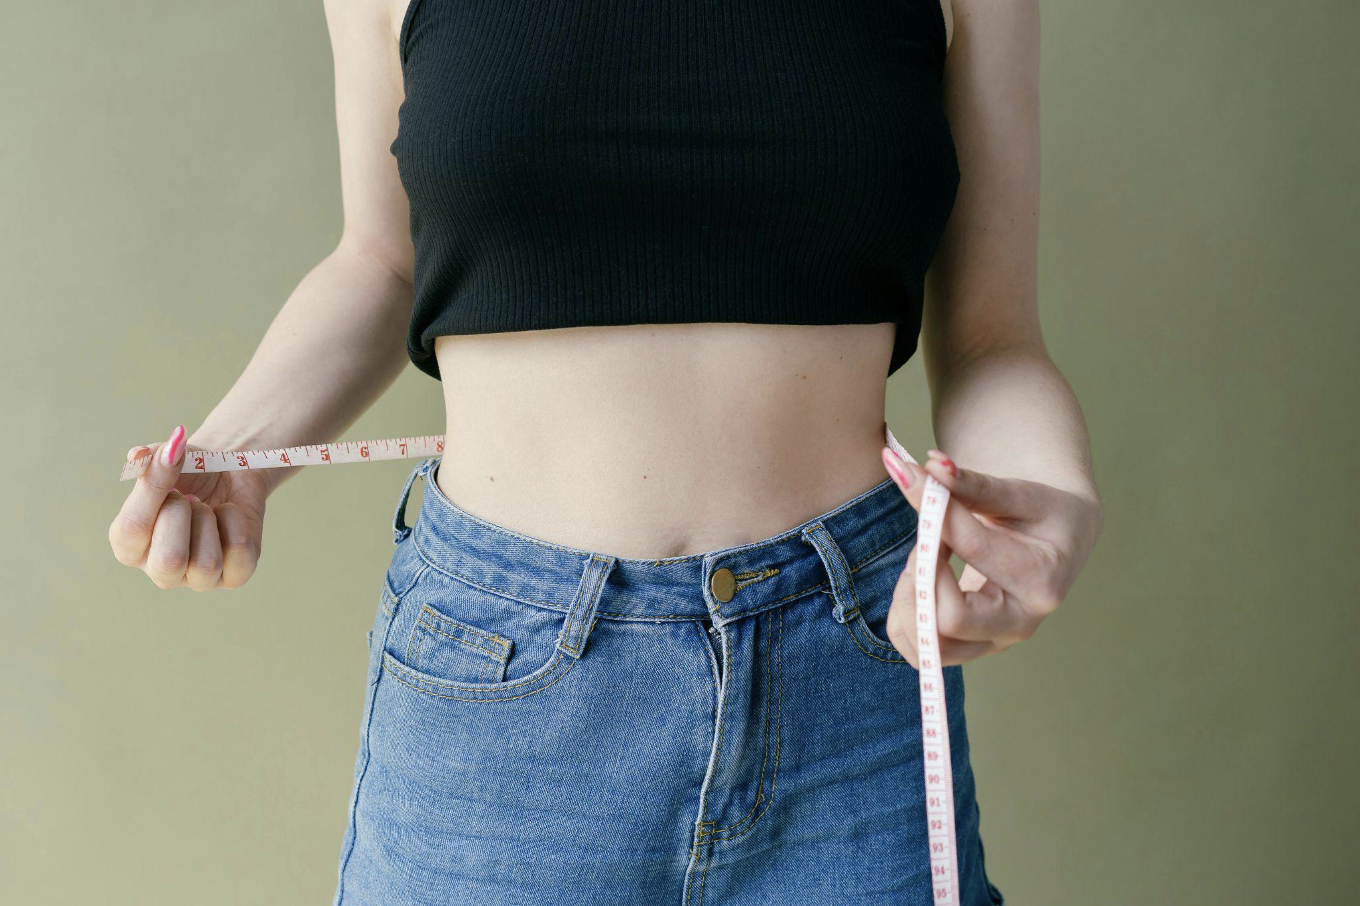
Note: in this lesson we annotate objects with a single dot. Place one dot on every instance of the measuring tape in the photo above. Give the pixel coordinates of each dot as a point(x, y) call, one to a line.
point(307, 455)
point(939, 775)
point(939, 770)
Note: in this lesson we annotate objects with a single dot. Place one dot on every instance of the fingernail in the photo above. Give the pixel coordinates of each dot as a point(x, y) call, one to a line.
point(191, 498)
point(895, 469)
point(173, 447)
point(944, 460)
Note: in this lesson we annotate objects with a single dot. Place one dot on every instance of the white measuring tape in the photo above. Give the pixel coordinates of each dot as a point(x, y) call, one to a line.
point(939, 770)
point(307, 455)
point(939, 775)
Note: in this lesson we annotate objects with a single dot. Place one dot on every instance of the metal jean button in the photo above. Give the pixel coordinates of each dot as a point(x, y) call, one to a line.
point(723, 584)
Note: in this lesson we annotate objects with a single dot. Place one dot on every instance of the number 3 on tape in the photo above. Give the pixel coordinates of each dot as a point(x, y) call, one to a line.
point(308, 455)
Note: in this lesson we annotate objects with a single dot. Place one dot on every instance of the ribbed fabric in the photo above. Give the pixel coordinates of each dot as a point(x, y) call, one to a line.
point(610, 162)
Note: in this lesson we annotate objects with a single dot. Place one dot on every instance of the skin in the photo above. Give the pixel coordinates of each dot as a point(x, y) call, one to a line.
point(647, 440)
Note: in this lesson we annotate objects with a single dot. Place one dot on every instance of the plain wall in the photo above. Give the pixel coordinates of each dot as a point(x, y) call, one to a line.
point(1184, 730)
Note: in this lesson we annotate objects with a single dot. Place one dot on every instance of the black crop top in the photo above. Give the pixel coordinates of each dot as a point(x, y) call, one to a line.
point(645, 161)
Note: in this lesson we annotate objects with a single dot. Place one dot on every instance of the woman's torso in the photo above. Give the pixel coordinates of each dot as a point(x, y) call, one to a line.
point(784, 168)
point(662, 440)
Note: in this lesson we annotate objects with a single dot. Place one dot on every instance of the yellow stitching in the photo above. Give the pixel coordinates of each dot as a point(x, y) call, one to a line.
point(703, 879)
point(756, 576)
point(871, 639)
point(774, 775)
point(464, 687)
point(897, 660)
point(765, 758)
point(429, 564)
point(501, 641)
point(855, 621)
point(466, 643)
point(564, 672)
point(777, 739)
point(412, 639)
point(507, 698)
point(504, 643)
point(704, 859)
point(588, 600)
point(864, 561)
point(574, 613)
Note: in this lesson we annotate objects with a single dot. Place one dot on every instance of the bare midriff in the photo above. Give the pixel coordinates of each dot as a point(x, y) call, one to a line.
point(662, 440)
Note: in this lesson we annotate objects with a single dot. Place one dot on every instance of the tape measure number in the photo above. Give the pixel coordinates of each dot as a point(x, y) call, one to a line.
point(307, 455)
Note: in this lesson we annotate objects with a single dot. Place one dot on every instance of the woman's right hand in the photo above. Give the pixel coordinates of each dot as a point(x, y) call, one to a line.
point(199, 530)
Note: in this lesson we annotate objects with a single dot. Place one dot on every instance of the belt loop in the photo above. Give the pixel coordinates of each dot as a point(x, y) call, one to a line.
point(581, 614)
point(400, 530)
point(842, 586)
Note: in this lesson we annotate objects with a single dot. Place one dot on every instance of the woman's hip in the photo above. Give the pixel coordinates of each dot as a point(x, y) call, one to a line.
point(551, 724)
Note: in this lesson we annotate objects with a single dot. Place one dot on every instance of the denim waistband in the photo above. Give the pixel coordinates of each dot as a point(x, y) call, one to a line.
point(806, 559)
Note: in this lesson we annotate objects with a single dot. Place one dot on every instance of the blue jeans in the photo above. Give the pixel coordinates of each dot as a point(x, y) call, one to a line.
point(550, 725)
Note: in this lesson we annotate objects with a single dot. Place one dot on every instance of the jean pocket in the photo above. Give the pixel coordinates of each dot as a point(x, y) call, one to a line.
point(874, 585)
point(439, 645)
point(459, 640)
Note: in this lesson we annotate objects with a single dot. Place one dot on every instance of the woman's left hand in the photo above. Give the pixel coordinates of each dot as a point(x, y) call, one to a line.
point(1023, 543)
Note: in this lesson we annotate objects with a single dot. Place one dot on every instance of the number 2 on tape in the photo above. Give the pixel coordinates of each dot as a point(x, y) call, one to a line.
point(307, 455)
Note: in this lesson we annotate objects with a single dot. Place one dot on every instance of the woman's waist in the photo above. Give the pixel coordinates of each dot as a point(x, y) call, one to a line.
point(665, 504)
point(662, 440)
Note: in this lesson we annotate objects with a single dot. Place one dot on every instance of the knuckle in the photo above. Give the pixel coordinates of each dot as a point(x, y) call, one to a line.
point(950, 621)
point(983, 484)
point(124, 528)
point(248, 550)
point(208, 562)
point(1045, 603)
point(230, 581)
point(161, 580)
point(971, 544)
point(200, 582)
point(124, 552)
point(164, 563)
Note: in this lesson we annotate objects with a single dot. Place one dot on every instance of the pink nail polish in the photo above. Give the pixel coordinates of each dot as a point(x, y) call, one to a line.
point(949, 464)
point(895, 469)
point(173, 447)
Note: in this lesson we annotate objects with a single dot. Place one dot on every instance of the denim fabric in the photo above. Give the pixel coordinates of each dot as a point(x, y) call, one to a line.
point(551, 725)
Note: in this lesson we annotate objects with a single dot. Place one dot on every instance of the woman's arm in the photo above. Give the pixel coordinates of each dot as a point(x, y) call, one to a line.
point(339, 340)
point(334, 347)
point(1024, 510)
point(1000, 404)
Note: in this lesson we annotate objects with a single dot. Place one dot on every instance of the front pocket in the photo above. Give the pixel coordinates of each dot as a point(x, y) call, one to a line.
point(441, 646)
point(456, 639)
point(874, 584)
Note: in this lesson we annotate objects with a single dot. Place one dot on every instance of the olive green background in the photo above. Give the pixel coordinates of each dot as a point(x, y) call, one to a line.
point(1185, 728)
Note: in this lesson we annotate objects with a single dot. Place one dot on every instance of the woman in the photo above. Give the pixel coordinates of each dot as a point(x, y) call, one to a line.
point(662, 259)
